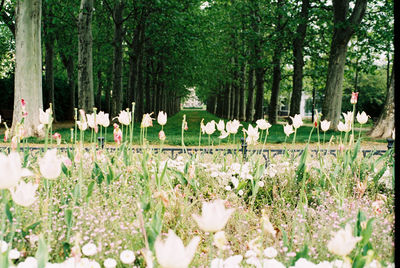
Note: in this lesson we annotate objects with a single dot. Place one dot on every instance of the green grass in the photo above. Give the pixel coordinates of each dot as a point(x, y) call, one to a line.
point(191, 137)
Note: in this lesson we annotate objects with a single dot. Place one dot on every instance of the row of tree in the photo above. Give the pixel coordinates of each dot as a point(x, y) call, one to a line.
point(253, 46)
point(236, 53)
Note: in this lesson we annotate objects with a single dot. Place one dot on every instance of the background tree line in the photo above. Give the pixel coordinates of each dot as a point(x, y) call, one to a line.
point(241, 55)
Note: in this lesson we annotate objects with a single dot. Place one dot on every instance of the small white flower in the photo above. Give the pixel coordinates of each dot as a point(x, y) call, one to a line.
point(89, 249)
point(220, 240)
point(127, 256)
point(240, 192)
point(4, 246)
point(14, 254)
point(110, 263)
point(214, 216)
point(260, 184)
point(270, 252)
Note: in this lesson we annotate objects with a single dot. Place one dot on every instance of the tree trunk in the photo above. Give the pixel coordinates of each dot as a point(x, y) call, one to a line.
point(118, 54)
point(49, 59)
point(85, 58)
point(385, 124)
point(298, 47)
point(99, 88)
point(68, 63)
point(276, 81)
point(242, 107)
point(28, 65)
point(343, 30)
point(250, 95)
point(259, 93)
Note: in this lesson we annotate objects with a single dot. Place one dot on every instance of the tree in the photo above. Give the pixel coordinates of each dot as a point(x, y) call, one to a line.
point(344, 28)
point(385, 124)
point(298, 47)
point(28, 65)
point(85, 60)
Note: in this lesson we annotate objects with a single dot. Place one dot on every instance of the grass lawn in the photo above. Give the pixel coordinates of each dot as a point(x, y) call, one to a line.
point(173, 132)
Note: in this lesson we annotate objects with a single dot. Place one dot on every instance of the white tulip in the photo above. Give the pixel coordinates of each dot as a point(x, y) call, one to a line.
point(232, 127)
point(171, 253)
point(223, 135)
point(147, 120)
point(325, 125)
point(50, 164)
point(45, 117)
point(82, 125)
point(348, 117)
point(104, 119)
point(11, 170)
point(297, 121)
point(162, 118)
point(288, 129)
point(344, 127)
point(252, 135)
point(272, 263)
point(210, 127)
point(91, 120)
point(343, 242)
point(221, 126)
point(362, 118)
point(214, 216)
point(124, 117)
point(220, 240)
point(24, 193)
point(263, 124)
point(270, 252)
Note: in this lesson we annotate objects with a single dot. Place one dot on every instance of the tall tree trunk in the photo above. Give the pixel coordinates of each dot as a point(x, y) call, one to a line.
point(118, 54)
point(385, 124)
point(85, 57)
point(242, 107)
point(99, 88)
point(276, 81)
point(250, 95)
point(28, 65)
point(49, 40)
point(343, 30)
point(68, 63)
point(259, 93)
point(298, 47)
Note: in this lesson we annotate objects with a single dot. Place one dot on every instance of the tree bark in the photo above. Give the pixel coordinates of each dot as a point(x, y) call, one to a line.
point(385, 124)
point(118, 54)
point(242, 107)
point(298, 47)
point(343, 30)
point(49, 59)
point(250, 95)
point(85, 57)
point(276, 80)
point(28, 65)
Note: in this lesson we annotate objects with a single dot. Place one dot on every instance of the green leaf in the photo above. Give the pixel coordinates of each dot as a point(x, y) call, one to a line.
point(8, 212)
point(68, 217)
point(90, 191)
point(301, 254)
point(42, 253)
point(302, 165)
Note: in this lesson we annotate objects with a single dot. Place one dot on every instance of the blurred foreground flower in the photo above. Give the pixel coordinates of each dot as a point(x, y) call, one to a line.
point(11, 170)
point(214, 216)
point(24, 194)
point(50, 164)
point(252, 135)
point(343, 242)
point(171, 253)
point(231, 262)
